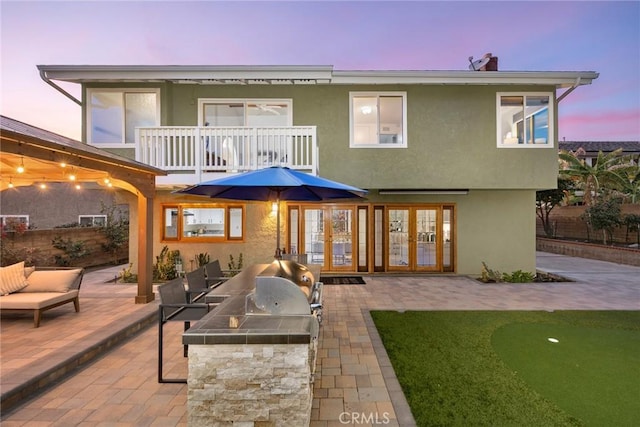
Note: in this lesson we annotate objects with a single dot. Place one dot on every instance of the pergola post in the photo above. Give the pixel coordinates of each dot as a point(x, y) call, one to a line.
point(145, 249)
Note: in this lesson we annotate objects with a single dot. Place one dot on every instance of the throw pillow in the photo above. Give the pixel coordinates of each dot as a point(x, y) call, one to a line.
point(28, 271)
point(12, 278)
point(51, 280)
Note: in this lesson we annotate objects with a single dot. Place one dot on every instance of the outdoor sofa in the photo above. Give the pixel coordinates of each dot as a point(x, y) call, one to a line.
point(38, 289)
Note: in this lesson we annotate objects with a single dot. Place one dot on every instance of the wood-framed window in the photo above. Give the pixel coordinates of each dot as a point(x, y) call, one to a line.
point(203, 222)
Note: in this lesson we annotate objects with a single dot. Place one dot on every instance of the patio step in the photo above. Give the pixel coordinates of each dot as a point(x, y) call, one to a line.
point(31, 387)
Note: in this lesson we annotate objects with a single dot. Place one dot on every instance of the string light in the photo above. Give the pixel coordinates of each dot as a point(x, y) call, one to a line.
point(78, 187)
point(10, 182)
point(20, 168)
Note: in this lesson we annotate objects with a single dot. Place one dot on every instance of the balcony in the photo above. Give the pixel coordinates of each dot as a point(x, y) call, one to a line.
point(195, 154)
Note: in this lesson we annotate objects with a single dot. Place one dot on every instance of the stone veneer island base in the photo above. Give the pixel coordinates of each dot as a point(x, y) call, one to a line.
point(249, 385)
point(249, 370)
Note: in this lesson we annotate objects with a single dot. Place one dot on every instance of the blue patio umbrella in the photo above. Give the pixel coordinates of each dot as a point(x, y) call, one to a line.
point(274, 183)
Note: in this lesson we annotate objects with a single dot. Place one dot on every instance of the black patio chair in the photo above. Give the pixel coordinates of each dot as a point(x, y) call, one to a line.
point(214, 274)
point(174, 307)
point(196, 285)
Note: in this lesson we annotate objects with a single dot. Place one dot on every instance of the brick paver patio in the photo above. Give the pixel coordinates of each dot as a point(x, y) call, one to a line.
point(354, 379)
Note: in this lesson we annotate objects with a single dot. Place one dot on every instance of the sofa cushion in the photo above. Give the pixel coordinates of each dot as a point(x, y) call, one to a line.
point(51, 280)
point(35, 300)
point(12, 278)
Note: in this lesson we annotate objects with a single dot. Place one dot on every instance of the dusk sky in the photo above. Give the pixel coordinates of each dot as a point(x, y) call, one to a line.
point(362, 35)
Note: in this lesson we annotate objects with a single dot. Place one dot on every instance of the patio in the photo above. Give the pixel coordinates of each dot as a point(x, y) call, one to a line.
point(354, 375)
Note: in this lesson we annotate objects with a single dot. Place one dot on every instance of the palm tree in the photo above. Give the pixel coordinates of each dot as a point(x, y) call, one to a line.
point(592, 179)
point(627, 178)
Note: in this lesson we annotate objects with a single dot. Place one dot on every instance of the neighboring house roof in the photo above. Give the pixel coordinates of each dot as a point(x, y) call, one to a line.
point(301, 74)
point(593, 147)
point(14, 129)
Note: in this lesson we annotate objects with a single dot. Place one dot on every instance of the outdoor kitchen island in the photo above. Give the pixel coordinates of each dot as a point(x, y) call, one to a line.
point(252, 357)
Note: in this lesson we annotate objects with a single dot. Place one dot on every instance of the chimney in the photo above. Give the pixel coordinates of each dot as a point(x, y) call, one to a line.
point(492, 65)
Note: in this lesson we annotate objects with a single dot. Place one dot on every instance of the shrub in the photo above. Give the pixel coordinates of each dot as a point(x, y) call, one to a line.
point(165, 266)
point(233, 267)
point(115, 230)
point(126, 276)
point(202, 259)
point(605, 216)
point(518, 276)
point(494, 276)
point(489, 275)
point(73, 250)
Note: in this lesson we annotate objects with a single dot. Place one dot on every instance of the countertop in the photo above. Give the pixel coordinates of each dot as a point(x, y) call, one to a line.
point(214, 327)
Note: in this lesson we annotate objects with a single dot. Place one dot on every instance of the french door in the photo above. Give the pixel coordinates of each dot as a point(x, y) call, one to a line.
point(418, 238)
point(329, 237)
point(374, 238)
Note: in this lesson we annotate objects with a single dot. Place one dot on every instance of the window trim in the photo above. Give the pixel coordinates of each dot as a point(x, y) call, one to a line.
point(551, 138)
point(123, 91)
point(377, 94)
point(3, 219)
point(181, 207)
point(244, 101)
point(93, 219)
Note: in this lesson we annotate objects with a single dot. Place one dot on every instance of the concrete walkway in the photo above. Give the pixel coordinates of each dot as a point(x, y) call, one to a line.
point(120, 388)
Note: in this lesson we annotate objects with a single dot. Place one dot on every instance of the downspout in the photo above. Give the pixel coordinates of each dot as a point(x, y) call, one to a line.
point(568, 91)
point(43, 76)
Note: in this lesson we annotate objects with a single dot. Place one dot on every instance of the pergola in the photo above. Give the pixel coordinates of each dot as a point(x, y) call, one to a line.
point(44, 156)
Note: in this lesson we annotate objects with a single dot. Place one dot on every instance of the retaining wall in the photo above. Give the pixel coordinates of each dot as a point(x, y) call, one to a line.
point(615, 254)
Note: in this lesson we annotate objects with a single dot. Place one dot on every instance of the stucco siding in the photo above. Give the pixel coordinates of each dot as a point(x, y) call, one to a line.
point(451, 136)
point(497, 227)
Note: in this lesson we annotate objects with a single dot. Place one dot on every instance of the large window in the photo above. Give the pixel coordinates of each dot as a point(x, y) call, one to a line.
point(115, 113)
point(241, 112)
point(378, 119)
point(525, 119)
point(216, 223)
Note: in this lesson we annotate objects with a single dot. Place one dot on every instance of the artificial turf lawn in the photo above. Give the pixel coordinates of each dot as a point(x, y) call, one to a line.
point(498, 368)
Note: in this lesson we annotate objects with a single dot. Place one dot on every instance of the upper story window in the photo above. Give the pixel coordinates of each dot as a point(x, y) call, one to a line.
point(197, 223)
point(245, 112)
point(525, 119)
point(113, 114)
point(378, 119)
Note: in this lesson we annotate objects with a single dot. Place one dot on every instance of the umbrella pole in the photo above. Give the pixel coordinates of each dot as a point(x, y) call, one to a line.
point(278, 251)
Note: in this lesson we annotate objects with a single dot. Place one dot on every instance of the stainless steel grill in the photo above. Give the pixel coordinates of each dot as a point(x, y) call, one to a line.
point(286, 288)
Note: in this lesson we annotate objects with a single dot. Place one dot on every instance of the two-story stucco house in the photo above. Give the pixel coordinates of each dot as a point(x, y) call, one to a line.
point(451, 159)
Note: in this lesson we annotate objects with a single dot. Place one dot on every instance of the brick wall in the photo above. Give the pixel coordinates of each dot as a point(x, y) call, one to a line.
point(587, 250)
point(39, 244)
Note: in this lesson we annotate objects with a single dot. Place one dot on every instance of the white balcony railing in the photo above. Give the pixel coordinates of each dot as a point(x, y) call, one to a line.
point(201, 150)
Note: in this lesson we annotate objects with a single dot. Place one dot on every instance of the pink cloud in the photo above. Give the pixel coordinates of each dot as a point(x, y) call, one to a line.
point(607, 125)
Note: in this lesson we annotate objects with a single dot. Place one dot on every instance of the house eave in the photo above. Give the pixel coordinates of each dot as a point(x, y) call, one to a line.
point(305, 74)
